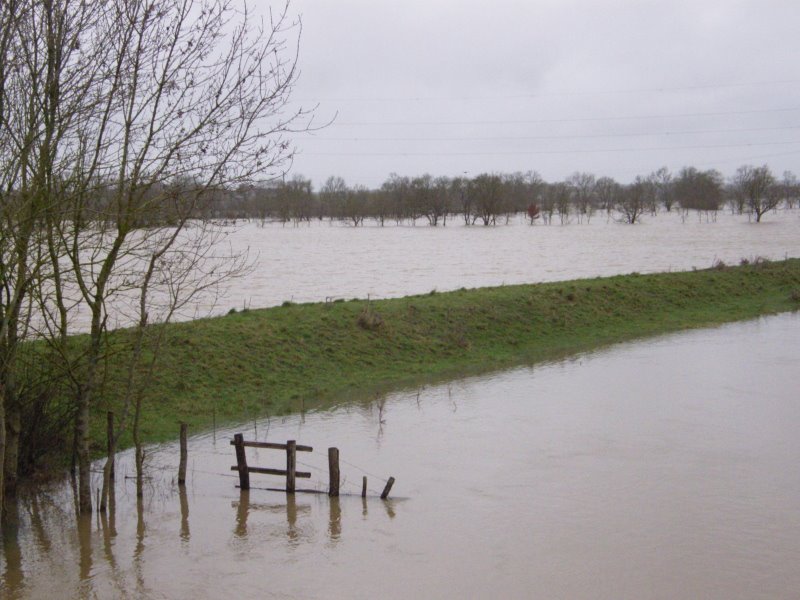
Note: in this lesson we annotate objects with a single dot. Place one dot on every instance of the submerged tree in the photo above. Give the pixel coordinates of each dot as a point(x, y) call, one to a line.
point(757, 187)
point(664, 189)
point(698, 190)
point(634, 200)
point(582, 186)
point(608, 193)
point(790, 189)
point(486, 193)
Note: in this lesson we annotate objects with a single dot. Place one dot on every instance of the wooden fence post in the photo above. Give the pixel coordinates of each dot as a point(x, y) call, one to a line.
point(387, 489)
point(184, 453)
point(364, 486)
point(333, 470)
point(291, 465)
point(110, 435)
point(241, 462)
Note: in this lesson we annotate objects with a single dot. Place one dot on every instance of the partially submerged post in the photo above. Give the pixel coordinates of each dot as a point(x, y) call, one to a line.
point(387, 489)
point(291, 473)
point(291, 465)
point(333, 470)
point(184, 454)
point(241, 462)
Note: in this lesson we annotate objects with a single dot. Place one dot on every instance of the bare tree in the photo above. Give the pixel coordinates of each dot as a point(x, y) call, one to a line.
point(429, 198)
point(635, 199)
point(555, 198)
point(583, 194)
point(563, 202)
point(662, 182)
point(123, 102)
point(356, 204)
point(396, 191)
point(608, 192)
point(486, 192)
point(790, 189)
point(41, 91)
point(422, 199)
point(301, 198)
point(10, 292)
point(757, 186)
point(698, 190)
point(332, 195)
point(459, 191)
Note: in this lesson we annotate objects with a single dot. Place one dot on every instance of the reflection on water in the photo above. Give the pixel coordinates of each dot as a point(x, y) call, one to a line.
point(242, 510)
point(13, 577)
point(335, 519)
point(184, 513)
point(664, 468)
point(85, 545)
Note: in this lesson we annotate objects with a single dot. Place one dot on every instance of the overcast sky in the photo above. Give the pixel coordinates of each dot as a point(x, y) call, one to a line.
point(616, 88)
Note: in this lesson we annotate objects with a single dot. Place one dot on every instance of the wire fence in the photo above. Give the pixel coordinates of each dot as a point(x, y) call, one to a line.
point(319, 467)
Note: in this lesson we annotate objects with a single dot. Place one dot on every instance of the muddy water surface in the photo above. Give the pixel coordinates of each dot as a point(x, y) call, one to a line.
point(321, 260)
point(665, 468)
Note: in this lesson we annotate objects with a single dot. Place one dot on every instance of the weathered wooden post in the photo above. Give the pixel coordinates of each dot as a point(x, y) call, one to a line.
point(184, 454)
point(291, 465)
point(110, 436)
point(364, 486)
point(241, 462)
point(333, 470)
point(387, 489)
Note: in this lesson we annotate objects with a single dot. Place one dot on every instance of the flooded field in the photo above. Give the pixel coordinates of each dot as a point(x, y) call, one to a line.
point(321, 260)
point(311, 262)
point(665, 468)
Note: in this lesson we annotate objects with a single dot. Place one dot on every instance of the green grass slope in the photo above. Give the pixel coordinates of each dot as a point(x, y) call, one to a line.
point(295, 357)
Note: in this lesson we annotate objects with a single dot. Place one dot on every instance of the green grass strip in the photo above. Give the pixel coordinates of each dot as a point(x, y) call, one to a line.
point(297, 357)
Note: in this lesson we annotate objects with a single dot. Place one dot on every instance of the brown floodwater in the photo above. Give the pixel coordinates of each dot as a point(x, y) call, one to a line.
point(665, 468)
point(321, 260)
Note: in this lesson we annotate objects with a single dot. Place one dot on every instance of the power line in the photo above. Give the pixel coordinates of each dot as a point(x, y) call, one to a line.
point(563, 93)
point(546, 137)
point(546, 152)
point(750, 158)
point(572, 119)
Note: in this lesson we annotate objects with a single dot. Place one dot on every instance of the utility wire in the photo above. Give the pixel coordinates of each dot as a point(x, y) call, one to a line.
point(549, 152)
point(547, 137)
point(575, 119)
point(556, 94)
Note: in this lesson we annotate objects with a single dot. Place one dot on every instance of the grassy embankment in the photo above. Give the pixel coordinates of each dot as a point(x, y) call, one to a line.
point(295, 357)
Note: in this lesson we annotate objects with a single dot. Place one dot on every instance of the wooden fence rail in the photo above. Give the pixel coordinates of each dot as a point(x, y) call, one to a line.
point(291, 472)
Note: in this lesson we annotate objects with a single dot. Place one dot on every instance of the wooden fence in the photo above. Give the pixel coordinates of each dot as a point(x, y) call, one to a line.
point(291, 473)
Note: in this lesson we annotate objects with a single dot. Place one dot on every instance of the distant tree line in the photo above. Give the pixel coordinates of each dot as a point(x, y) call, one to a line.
point(489, 199)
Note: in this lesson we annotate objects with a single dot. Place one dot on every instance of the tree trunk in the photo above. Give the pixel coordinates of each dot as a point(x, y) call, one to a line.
point(108, 468)
point(13, 429)
point(137, 442)
point(2, 447)
point(106, 483)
